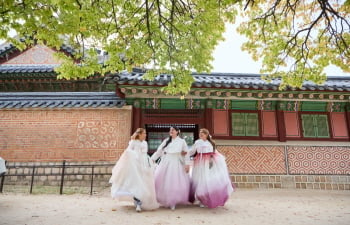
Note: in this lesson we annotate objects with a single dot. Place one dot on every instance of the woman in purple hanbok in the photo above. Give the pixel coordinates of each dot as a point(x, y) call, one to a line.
point(171, 178)
point(210, 181)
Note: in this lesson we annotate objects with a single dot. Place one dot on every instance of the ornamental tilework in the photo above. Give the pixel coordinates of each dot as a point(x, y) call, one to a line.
point(254, 159)
point(266, 105)
point(336, 106)
point(289, 106)
point(194, 104)
point(152, 103)
point(319, 160)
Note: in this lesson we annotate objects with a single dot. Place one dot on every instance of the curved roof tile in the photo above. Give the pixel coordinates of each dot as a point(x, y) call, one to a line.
point(59, 99)
point(234, 80)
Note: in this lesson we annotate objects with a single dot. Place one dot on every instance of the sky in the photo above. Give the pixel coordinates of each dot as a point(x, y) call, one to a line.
point(229, 58)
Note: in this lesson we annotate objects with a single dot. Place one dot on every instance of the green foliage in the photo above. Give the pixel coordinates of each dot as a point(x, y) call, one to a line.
point(169, 36)
point(178, 37)
point(296, 40)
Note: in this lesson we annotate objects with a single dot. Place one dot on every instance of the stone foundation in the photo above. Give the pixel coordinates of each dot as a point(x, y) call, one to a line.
point(324, 182)
point(79, 174)
point(50, 174)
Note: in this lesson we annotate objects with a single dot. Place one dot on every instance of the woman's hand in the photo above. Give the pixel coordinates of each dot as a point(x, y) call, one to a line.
point(187, 168)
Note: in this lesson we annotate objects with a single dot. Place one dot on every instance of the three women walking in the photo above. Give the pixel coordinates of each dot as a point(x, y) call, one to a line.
point(169, 184)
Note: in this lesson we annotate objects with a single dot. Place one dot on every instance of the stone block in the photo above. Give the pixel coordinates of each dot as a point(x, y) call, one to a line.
point(277, 185)
point(335, 187)
point(342, 179)
point(56, 171)
point(328, 186)
point(317, 179)
point(310, 178)
point(251, 178)
point(298, 179)
point(265, 179)
point(255, 185)
point(309, 186)
point(264, 185)
point(278, 179)
point(316, 186)
point(287, 181)
point(335, 179)
point(303, 179)
point(258, 178)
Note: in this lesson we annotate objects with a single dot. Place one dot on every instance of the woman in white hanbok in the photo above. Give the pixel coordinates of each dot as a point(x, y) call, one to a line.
point(171, 178)
point(210, 181)
point(133, 174)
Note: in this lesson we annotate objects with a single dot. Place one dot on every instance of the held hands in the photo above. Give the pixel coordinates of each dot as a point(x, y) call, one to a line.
point(183, 153)
point(187, 168)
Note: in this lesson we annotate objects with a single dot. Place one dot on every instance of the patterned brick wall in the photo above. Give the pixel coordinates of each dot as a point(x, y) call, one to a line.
point(319, 160)
point(254, 159)
point(69, 134)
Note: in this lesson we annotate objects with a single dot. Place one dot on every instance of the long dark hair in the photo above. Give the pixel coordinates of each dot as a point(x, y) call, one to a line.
point(206, 131)
point(170, 138)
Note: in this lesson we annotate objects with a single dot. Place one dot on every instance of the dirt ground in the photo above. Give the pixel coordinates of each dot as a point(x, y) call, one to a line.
point(255, 207)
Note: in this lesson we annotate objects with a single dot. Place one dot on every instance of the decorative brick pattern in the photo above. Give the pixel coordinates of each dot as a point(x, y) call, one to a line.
point(250, 159)
point(56, 135)
point(319, 160)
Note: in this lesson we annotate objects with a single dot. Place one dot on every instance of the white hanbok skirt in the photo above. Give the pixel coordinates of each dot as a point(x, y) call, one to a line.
point(133, 176)
point(210, 181)
point(172, 181)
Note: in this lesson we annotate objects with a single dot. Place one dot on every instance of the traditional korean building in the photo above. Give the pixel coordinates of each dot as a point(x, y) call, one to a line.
point(295, 138)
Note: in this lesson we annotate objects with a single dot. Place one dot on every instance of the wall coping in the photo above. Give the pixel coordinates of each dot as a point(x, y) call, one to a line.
point(277, 143)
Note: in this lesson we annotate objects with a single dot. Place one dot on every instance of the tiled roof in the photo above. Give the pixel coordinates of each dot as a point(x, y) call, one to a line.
point(213, 80)
point(6, 47)
point(8, 69)
point(59, 100)
point(234, 80)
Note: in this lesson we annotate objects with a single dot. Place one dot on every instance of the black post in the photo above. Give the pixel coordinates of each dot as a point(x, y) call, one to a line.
point(92, 179)
point(32, 181)
point(2, 182)
point(2, 179)
point(62, 176)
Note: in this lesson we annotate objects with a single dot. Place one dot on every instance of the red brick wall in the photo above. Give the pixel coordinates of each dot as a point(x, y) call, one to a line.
point(68, 134)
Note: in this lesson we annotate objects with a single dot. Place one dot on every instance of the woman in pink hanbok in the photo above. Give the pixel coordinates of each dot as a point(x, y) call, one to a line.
point(171, 178)
point(133, 174)
point(210, 181)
